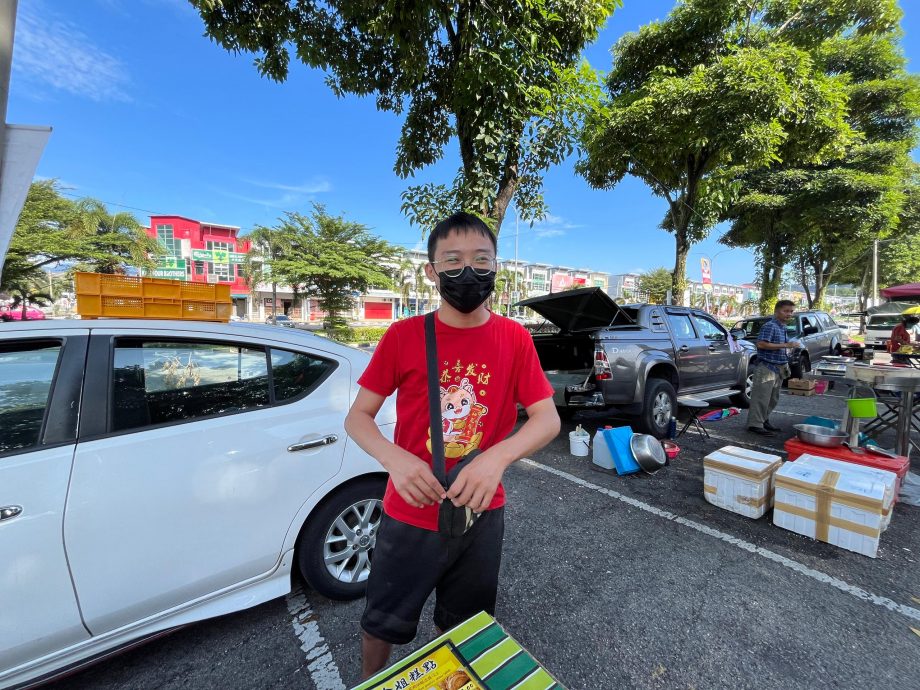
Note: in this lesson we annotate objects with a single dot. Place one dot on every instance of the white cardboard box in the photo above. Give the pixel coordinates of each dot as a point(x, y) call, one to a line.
point(889, 479)
point(842, 506)
point(740, 480)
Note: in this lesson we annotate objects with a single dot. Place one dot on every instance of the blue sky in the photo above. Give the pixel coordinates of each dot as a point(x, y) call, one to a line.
point(149, 114)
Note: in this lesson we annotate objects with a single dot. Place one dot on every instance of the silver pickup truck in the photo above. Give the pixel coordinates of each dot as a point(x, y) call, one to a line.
point(638, 358)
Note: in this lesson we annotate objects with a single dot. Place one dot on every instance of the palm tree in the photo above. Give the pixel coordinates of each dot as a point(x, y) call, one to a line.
point(421, 283)
point(505, 279)
point(405, 276)
point(25, 291)
point(112, 241)
point(265, 245)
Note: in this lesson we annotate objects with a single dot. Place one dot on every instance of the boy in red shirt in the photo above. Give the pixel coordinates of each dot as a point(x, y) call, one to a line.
point(488, 365)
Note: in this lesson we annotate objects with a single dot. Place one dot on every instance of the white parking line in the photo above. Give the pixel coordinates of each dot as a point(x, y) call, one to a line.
point(322, 668)
point(858, 592)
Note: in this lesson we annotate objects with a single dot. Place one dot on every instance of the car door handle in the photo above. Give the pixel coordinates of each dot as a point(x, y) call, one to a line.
point(684, 348)
point(8, 512)
point(315, 443)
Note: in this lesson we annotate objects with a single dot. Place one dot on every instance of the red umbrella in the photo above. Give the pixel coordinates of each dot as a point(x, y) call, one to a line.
point(908, 290)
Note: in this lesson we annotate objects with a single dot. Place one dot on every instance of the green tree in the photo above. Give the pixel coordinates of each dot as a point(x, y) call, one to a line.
point(656, 284)
point(505, 280)
point(53, 230)
point(714, 86)
point(504, 78)
point(824, 215)
point(330, 258)
point(112, 242)
point(265, 244)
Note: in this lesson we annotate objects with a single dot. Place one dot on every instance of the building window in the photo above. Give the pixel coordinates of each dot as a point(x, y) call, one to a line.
point(199, 268)
point(222, 271)
point(539, 281)
point(170, 244)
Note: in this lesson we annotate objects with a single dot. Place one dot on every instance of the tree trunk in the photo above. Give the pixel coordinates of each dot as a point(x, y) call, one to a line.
point(679, 276)
point(771, 275)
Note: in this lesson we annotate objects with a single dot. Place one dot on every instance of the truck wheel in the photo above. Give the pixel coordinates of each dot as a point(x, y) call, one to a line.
point(800, 368)
point(659, 405)
point(742, 399)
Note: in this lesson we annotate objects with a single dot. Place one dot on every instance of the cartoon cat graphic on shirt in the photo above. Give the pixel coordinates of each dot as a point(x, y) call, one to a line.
point(461, 417)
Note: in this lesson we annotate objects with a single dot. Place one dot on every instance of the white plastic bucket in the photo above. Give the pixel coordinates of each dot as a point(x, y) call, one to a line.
point(579, 443)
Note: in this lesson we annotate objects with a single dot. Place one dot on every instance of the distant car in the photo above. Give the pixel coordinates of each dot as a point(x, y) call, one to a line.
point(157, 473)
point(282, 320)
point(32, 314)
point(817, 331)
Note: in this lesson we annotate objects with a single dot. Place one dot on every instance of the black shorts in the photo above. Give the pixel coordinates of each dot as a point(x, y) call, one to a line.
point(409, 563)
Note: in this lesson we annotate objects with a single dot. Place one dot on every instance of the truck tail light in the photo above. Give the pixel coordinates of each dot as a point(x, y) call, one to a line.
point(601, 364)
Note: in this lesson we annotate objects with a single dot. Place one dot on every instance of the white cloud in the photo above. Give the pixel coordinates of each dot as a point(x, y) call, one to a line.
point(290, 198)
point(52, 52)
point(552, 226)
point(314, 186)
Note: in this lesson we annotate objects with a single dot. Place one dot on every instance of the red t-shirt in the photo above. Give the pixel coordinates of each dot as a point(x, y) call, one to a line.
point(485, 372)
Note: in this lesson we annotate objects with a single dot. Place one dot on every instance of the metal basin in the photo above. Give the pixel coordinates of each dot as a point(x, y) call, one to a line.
point(648, 452)
point(820, 435)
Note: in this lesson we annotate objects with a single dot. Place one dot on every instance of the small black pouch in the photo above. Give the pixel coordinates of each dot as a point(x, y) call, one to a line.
point(452, 521)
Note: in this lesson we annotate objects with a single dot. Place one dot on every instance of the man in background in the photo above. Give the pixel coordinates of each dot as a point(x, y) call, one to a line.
point(772, 368)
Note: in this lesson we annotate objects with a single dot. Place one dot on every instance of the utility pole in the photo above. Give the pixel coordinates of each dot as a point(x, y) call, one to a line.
point(875, 273)
point(517, 231)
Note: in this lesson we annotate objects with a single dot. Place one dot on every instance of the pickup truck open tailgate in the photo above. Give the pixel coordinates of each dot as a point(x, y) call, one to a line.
point(579, 310)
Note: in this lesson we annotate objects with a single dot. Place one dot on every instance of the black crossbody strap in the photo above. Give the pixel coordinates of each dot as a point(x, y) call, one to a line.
point(434, 401)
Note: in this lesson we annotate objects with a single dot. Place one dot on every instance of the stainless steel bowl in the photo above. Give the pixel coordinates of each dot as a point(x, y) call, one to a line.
point(820, 435)
point(648, 452)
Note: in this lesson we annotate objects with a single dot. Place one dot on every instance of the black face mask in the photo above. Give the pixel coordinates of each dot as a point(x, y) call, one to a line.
point(468, 290)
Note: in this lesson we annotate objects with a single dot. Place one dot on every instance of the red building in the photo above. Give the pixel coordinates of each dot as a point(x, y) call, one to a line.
point(201, 253)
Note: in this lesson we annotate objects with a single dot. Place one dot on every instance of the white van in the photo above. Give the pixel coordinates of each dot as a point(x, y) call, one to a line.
point(879, 327)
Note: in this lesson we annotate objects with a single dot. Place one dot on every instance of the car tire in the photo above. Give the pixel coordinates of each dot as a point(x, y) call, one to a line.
point(658, 406)
point(742, 399)
point(800, 368)
point(360, 506)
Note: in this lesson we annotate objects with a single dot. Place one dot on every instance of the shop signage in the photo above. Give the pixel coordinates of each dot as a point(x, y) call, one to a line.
point(218, 256)
point(171, 263)
point(172, 273)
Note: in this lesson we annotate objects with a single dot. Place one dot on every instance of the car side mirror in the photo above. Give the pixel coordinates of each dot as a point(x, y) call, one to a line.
point(809, 330)
point(738, 333)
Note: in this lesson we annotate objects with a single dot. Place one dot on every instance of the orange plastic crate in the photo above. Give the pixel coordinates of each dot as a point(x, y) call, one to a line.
point(132, 286)
point(127, 297)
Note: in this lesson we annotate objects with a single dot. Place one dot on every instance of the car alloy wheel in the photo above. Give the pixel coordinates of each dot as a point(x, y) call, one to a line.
point(351, 539)
point(661, 409)
point(335, 550)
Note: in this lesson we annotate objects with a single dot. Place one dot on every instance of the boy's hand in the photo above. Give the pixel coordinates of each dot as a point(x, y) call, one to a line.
point(477, 483)
point(413, 479)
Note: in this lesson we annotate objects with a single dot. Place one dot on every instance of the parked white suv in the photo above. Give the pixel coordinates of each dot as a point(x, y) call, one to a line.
point(157, 473)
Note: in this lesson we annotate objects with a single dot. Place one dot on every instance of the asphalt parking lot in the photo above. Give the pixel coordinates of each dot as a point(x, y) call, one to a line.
point(615, 582)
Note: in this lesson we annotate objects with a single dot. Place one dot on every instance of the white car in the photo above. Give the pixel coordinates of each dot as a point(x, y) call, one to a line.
point(153, 474)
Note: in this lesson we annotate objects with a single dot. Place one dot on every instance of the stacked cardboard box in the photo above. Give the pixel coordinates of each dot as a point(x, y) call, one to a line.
point(740, 480)
point(801, 387)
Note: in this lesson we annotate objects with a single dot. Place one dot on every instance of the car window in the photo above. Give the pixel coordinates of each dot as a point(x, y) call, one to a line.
point(825, 321)
point(708, 329)
point(26, 374)
point(885, 321)
point(296, 373)
point(681, 326)
point(806, 322)
point(161, 382)
point(751, 328)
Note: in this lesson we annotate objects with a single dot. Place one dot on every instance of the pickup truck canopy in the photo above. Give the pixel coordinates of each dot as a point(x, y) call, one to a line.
point(583, 309)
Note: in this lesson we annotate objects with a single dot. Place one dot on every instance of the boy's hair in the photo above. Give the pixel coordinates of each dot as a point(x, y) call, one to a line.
point(783, 303)
point(459, 222)
point(911, 320)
